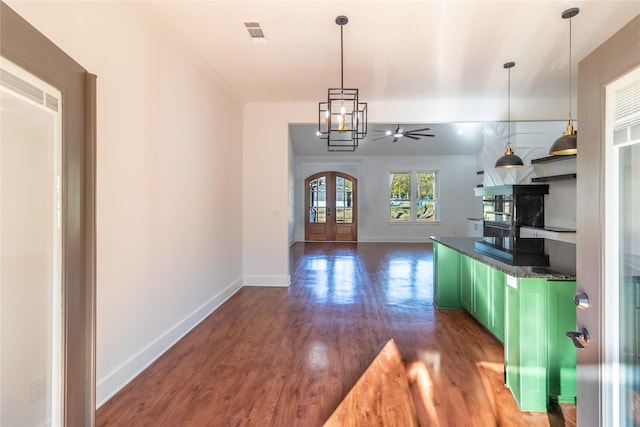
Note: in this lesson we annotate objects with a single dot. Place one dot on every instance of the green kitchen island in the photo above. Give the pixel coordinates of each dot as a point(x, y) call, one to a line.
point(521, 290)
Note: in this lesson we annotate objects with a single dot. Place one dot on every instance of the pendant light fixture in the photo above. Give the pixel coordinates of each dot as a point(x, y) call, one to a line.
point(510, 159)
point(567, 144)
point(342, 120)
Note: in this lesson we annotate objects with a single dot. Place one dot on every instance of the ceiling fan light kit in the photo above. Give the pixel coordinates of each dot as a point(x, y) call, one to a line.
point(567, 144)
point(510, 159)
point(342, 119)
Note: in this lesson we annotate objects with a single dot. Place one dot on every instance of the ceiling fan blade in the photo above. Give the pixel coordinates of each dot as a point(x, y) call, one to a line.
point(420, 134)
point(411, 137)
point(418, 130)
point(382, 137)
point(395, 139)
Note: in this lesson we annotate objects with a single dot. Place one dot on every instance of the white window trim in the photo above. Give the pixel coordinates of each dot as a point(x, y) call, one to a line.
point(413, 176)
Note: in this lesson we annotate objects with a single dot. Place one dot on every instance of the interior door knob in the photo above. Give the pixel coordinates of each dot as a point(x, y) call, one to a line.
point(581, 301)
point(580, 339)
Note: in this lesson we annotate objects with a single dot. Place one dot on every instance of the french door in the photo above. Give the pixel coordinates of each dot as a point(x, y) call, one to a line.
point(331, 207)
point(608, 218)
point(622, 250)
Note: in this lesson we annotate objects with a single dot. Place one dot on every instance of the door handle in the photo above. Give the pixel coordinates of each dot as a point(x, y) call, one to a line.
point(328, 211)
point(581, 301)
point(580, 339)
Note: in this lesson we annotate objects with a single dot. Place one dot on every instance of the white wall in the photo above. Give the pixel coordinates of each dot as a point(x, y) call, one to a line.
point(457, 176)
point(169, 173)
point(266, 191)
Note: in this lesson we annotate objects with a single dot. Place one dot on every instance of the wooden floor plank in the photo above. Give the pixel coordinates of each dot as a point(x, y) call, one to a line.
point(381, 396)
point(288, 356)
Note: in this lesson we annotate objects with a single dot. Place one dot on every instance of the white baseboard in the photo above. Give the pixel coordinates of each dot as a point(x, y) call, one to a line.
point(113, 382)
point(267, 280)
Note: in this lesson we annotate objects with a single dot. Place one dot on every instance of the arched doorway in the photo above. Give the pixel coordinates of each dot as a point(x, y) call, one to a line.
point(331, 207)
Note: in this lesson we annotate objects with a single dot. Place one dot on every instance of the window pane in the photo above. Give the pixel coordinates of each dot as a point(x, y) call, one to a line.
point(318, 200)
point(344, 200)
point(426, 196)
point(400, 196)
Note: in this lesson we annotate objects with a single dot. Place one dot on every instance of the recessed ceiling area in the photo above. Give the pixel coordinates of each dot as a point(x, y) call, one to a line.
point(448, 139)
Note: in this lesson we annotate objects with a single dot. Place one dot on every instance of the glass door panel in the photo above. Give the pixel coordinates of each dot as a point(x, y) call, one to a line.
point(622, 234)
point(30, 266)
point(344, 200)
point(318, 200)
point(629, 282)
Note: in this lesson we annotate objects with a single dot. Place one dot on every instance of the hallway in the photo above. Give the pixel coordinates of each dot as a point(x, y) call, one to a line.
point(287, 356)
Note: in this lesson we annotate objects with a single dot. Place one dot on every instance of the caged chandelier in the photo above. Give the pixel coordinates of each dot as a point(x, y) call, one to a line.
point(342, 120)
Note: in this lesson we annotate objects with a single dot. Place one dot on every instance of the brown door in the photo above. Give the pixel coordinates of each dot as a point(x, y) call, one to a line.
point(331, 207)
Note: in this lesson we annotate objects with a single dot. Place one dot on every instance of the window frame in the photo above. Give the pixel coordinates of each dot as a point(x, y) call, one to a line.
point(413, 197)
point(400, 201)
point(435, 200)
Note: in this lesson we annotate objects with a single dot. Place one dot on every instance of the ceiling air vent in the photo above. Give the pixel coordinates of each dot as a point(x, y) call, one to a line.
point(255, 31)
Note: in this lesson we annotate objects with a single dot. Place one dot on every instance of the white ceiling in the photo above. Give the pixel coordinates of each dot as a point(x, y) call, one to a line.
point(394, 50)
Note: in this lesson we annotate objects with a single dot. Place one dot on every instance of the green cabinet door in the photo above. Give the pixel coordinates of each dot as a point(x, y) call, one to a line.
point(540, 362)
point(526, 342)
point(446, 276)
point(481, 292)
point(512, 340)
point(466, 283)
point(562, 353)
point(497, 305)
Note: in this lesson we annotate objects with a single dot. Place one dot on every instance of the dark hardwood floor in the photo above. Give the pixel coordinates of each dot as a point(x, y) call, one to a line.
point(288, 356)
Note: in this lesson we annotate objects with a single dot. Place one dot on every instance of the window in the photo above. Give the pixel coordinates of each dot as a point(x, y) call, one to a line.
point(426, 196)
point(417, 189)
point(400, 196)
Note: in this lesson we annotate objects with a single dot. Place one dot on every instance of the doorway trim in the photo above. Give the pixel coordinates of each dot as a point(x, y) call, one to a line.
point(605, 64)
point(26, 47)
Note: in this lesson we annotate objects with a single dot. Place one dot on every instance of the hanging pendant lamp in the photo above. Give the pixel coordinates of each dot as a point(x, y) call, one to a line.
point(567, 144)
point(510, 159)
point(342, 120)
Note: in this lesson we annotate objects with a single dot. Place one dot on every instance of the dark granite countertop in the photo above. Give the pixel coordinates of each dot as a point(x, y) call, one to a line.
point(519, 257)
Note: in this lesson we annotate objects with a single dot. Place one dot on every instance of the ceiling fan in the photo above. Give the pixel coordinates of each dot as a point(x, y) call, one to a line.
point(402, 133)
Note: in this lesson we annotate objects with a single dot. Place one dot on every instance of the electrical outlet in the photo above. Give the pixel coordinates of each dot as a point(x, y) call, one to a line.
point(37, 388)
